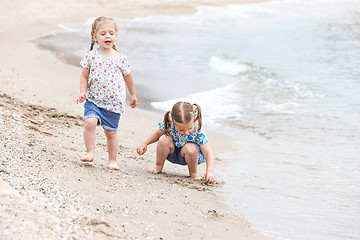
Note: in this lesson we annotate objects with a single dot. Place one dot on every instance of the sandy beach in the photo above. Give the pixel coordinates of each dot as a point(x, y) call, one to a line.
point(45, 191)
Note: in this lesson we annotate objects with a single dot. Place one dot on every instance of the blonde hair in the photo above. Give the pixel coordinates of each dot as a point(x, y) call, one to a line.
point(182, 112)
point(95, 27)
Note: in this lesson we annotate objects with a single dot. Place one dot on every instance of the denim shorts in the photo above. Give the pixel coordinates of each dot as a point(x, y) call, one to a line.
point(107, 119)
point(176, 157)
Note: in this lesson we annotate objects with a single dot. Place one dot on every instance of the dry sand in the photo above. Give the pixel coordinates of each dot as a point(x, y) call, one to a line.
point(45, 191)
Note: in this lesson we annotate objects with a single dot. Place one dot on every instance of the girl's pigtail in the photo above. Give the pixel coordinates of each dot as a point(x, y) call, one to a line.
point(114, 47)
point(198, 116)
point(93, 31)
point(92, 44)
point(167, 123)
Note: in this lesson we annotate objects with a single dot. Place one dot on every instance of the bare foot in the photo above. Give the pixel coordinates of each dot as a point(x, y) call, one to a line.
point(113, 166)
point(155, 169)
point(88, 158)
point(195, 177)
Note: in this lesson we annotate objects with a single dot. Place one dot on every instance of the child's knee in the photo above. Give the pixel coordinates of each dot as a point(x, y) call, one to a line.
point(190, 149)
point(165, 140)
point(110, 134)
point(90, 123)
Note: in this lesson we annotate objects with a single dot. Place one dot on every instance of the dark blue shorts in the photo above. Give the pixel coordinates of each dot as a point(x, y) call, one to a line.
point(176, 157)
point(107, 119)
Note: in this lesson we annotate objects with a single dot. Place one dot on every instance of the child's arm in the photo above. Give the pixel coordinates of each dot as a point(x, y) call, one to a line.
point(83, 85)
point(131, 87)
point(154, 137)
point(209, 175)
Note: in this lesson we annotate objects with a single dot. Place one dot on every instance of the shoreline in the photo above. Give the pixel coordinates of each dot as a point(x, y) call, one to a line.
point(38, 95)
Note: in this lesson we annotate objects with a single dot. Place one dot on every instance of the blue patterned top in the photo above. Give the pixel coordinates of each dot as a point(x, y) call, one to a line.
point(199, 138)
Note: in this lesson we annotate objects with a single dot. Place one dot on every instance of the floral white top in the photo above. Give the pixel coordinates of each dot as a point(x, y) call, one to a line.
point(106, 85)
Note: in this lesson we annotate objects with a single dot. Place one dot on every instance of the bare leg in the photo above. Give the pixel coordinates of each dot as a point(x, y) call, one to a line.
point(190, 152)
point(112, 145)
point(164, 147)
point(89, 138)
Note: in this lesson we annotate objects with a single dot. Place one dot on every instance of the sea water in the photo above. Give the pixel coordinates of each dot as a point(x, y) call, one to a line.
point(283, 79)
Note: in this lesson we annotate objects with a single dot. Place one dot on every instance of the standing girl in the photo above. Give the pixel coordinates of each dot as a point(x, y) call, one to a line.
point(181, 141)
point(102, 87)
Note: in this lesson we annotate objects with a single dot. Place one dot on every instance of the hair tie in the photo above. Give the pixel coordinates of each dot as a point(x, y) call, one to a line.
point(192, 114)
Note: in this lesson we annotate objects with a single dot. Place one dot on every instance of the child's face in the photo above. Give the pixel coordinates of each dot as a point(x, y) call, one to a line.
point(105, 35)
point(184, 128)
